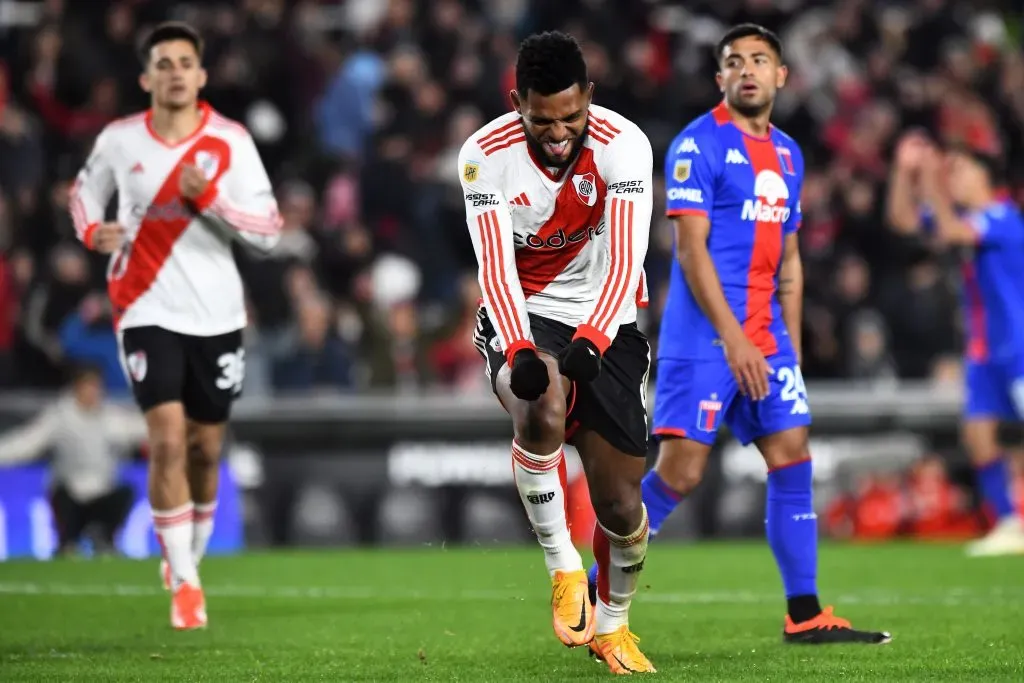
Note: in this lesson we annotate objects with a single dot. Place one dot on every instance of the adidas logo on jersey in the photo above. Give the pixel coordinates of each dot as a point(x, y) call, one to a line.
point(734, 156)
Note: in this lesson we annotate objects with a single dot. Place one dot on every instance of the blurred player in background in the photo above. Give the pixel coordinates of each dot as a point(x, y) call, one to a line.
point(963, 209)
point(558, 201)
point(730, 335)
point(190, 183)
point(87, 438)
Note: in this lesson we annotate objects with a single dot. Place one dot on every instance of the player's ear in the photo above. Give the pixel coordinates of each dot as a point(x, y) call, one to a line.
point(202, 78)
point(590, 92)
point(516, 103)
point(718, 80)
point(781, 74)
point(144, 82)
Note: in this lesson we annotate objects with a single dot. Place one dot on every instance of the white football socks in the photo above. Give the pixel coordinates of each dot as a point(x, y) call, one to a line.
point(202, 529)
point(174, 530)
point(540, 489)
point(619, 563)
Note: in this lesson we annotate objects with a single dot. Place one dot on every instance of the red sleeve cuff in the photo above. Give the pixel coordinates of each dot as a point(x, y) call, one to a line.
point(203, 201)
point(516, 347)
point(88, 235)
point(674, 213)
point(594, 336)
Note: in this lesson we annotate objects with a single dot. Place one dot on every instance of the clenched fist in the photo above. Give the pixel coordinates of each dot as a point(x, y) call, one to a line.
point(108, 238)
point(192, 182)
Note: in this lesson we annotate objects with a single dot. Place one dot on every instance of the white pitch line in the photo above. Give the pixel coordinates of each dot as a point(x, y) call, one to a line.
point(951, 597)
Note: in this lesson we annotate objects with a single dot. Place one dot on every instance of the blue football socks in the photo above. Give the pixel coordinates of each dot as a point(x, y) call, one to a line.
point(792, 529)
point(994, 482)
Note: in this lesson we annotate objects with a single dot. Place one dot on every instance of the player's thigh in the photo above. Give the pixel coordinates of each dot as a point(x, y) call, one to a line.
point(215, 372)
point(541, 423)
point(614, 405)
point(781, 419)
point(692, 399)
point(154, 362)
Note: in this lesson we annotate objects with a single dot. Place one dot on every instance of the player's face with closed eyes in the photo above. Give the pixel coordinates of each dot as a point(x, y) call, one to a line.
point(749, 74)
point(555, 125)
point(174, 74)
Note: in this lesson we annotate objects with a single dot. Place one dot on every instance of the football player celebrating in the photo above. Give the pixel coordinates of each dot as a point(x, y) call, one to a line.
point(558, 202)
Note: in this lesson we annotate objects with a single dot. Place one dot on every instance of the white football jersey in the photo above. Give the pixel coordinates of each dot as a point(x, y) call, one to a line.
point(176, 270)
point(569, 245)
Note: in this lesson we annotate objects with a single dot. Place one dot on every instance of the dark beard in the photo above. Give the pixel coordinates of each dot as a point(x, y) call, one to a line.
point(750, 111)
point(537, 148)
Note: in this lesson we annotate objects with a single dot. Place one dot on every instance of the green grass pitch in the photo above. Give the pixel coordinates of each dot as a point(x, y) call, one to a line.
point(708, 612)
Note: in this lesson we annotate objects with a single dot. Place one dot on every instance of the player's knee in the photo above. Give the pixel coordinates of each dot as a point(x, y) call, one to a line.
point(168, 439)
point(981, 453)
point(981, 441)
point(785, 448)
point(202, 455)
point(681, 464)
point(167, 448)
point(682, 479)
point(542, 424)
point(204, 446)
point(619, 510)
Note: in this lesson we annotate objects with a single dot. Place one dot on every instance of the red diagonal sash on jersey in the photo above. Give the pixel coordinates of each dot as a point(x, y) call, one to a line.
point(538, 267)
point(165, 220)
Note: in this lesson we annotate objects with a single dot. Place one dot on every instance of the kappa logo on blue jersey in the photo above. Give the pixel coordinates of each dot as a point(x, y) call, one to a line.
point(734, 156)
point(688, 146)
point(786, 160)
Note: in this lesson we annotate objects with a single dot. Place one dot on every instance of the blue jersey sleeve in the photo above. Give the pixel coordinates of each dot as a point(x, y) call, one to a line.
point(690, 176)
point(927, 219)
point(796, 216)
point(997, 226)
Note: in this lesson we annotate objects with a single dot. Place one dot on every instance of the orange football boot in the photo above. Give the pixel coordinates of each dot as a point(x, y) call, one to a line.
point(572, 613)
point(188, 607)
point(620, 652)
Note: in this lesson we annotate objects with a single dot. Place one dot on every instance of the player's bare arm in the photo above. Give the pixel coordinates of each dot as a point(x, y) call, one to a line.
point(791, 291)
point(745, 360)
point(902, 211)
point(950, 229)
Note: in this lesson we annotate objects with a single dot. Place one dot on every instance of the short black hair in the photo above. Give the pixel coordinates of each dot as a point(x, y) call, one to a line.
point(167, 31)
point(549, 63)
point(84, 370)
point(990, 160)
point(746, 31)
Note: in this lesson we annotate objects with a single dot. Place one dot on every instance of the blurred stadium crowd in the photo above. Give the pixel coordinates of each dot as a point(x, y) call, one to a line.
point(359, 108)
